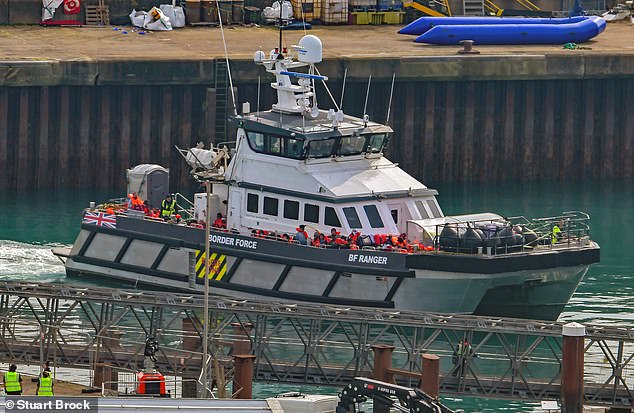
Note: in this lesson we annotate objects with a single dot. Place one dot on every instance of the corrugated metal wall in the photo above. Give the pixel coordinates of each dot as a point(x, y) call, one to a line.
point(489, 131)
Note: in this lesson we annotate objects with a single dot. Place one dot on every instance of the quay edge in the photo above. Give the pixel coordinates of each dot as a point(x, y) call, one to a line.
point(510, 114)
point(187, 56)
point(406, 68)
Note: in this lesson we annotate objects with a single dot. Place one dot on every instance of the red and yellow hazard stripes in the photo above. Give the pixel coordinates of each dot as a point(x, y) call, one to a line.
point(217, 265)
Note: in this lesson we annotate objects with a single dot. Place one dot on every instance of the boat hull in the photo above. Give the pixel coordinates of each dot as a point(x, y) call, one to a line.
point(578, 32)
point(535, 294)
point(425, 23)
point(159, 255)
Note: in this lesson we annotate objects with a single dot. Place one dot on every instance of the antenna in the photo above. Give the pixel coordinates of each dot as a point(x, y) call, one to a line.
point(280, 28)
point(365, 106)
point(389, 105)
point(323, 81)
point(343, 87)
point(224, 43)
point(258, 106)
point(301, 6)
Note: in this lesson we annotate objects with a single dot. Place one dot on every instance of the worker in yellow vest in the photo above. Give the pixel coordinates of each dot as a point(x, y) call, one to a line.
point(13, 381)
point(556, 233)
point(45, 385)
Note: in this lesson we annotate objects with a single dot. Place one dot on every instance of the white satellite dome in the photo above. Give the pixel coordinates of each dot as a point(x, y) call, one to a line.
point(259, 56)
point(310, 49)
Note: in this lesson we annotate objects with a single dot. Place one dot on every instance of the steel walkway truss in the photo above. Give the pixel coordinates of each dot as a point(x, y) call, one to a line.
point(306, 343)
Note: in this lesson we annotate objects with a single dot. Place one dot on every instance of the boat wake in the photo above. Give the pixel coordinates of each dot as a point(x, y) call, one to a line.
point(20, 261)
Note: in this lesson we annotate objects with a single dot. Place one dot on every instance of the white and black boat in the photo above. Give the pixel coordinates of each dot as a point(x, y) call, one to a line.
point(296, 164)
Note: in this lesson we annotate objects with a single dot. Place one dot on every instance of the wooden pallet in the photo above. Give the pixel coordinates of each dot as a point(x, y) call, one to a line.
point(97, 15)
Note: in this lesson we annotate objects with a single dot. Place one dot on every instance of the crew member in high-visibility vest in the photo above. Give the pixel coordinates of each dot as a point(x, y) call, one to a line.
point(45, 385)
point(556, 235)
point(462, 353)
point(13, 381)
point(168, 207)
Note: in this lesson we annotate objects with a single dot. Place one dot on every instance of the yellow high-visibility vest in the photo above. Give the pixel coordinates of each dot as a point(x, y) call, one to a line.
point(46, 387)
point(556, 234)
point(12, 381)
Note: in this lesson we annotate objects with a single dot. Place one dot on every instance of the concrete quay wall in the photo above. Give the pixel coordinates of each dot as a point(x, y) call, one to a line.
point(79, 115)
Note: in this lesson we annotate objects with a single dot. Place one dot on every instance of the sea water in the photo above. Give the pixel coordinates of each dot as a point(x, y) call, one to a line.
point(33, 222)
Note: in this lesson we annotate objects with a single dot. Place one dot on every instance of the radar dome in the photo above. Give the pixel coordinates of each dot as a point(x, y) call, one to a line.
point(310, 49)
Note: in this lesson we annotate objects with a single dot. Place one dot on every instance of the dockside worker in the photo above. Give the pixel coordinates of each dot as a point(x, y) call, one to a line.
point(13, 381)
point(45, 385)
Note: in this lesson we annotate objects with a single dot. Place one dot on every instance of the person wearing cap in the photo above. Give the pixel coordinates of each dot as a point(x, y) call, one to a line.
point(301, 236)
point(168, 207)
point(13, 381)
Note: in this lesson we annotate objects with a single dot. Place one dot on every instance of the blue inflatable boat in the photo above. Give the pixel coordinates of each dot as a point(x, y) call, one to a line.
point(578, 31)
point(422, 24)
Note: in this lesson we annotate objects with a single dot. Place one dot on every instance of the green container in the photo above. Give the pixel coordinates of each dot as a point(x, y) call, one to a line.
point(252, 15)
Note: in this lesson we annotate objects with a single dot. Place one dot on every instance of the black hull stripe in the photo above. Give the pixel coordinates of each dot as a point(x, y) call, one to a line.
point(292, 260)
point(295, 255)
point(322, 265)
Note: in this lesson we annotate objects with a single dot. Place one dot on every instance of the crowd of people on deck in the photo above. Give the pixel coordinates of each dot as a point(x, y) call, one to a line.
point(168, 212)
point(354, 241)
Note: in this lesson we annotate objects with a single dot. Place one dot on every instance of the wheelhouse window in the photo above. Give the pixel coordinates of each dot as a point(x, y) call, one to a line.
point(352, 217)
point(375, 143)
point(291, 209)
point(321, 149)
point(285, 146)
point(373, 216)
point(421, 209)
point(394, 213)
point(311, 213)
point(270, 206)
point(256, 141)
point(351, 145)
point(331, 218)
point(434, 208)
point(252, 202)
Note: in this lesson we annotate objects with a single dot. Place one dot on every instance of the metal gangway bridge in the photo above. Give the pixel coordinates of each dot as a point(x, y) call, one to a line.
point(78, 326)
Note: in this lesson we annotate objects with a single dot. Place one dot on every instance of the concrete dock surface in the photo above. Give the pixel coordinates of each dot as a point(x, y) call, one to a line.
point(35, 43)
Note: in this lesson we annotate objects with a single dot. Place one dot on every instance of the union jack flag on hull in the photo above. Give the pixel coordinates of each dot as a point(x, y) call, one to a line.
point(100, 219)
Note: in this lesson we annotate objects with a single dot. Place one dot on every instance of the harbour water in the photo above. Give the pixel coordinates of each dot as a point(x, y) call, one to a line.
point(31, 223)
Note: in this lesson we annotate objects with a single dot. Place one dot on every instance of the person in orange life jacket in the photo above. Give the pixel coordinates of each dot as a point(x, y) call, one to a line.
point(354, 236)
point(219, 222)
point(134, 202)
point(334, 235)
point(146, 208)
point(316, 242)
point(301, 236)
point(402, 240)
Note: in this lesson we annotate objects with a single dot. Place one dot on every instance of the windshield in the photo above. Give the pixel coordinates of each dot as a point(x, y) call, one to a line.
point(351, 145)
point(347, 145)
point(287, 147)
point(321, 149)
